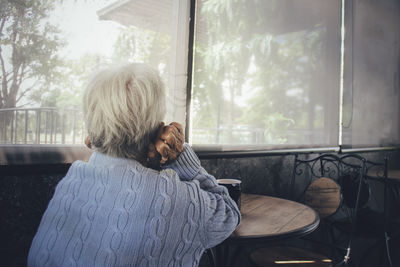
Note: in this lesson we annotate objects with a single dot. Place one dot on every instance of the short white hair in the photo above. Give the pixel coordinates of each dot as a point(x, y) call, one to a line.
point(123, 107)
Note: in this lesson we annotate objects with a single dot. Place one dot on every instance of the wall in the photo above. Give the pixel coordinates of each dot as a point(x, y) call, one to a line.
point(23, 199)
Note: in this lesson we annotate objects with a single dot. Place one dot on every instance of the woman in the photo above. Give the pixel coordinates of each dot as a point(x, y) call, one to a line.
point(116, 211)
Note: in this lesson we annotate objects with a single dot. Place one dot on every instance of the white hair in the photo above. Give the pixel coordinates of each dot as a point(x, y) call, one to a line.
point(123, 108)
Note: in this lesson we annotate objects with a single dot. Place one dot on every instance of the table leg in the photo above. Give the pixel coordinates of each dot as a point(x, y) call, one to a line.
point(227, 255)
point(220, 255)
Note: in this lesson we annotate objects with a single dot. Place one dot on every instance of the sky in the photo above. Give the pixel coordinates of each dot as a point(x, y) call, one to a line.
point(82, 29)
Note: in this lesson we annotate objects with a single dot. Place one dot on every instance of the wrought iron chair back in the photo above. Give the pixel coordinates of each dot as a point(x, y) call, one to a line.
point(349, 172)
point(387, 238)
point(355, 188)
point(344, 187)
point(304, 182)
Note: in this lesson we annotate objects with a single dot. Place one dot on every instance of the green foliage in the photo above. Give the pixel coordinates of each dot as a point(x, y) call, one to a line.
point(67, 93)
point(244, 51)
point(28, 45)
point(133, 44)
point(141, 45)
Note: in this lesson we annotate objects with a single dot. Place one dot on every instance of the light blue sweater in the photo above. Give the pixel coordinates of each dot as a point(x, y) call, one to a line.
point(115, 212)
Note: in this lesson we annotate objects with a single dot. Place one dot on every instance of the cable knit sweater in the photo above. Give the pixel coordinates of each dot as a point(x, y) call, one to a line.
point(116, 212)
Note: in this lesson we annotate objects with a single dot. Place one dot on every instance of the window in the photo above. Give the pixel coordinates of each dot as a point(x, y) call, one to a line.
point(263, 74)
point(266, 73)
point(49, 49)
point(371, 102)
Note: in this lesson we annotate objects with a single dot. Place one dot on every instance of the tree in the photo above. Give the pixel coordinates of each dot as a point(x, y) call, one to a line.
point(28, 46)
point(137, 44)
point(67, 93)
point(251, 46)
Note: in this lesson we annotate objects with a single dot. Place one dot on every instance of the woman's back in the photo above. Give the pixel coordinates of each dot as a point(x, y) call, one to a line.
point(115, 212)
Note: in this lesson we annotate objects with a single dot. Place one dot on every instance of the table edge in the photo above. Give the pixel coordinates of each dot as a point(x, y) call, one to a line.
point(287, 235)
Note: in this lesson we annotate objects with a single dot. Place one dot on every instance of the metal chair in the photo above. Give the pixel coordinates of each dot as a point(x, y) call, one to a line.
point(313, 184)
point(360, 221)
point(356, 193)
point(320, 188)
point(380, 225)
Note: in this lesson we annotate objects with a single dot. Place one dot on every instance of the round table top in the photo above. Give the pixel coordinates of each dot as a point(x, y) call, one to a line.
point(267, 218)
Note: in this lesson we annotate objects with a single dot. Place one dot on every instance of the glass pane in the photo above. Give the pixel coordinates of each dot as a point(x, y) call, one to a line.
point(371, 104)
point(49, 49)
point(266, 73)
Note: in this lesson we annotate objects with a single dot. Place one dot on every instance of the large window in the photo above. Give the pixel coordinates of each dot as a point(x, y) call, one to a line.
point(263, 74)
point(49, 48)
point(266, 73)
point(371, 102)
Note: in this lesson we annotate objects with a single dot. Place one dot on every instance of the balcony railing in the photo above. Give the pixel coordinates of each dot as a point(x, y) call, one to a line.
point(41, 126)
point(66, 126)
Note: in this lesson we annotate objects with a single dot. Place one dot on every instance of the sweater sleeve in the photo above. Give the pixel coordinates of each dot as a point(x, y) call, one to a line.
point(220, 213)
point(187, 165)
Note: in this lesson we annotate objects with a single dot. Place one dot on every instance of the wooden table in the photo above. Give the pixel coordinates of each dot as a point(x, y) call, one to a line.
point(265, 220)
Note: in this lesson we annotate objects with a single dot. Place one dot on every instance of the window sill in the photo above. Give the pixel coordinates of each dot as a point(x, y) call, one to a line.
point(242, 151)
point(42, 154)
point(66, 154)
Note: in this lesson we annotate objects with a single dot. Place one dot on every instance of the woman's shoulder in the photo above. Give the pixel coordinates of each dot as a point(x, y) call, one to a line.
point(170, 173)
point(75, 167)
point(117, 171)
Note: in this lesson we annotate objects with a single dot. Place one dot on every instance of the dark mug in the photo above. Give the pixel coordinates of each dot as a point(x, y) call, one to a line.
point(233, 187)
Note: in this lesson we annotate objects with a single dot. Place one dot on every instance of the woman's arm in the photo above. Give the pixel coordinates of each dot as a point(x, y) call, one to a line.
point(220, 213)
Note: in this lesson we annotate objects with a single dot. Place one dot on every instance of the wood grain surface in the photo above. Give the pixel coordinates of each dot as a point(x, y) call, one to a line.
point(323, 195)
point(264, 216)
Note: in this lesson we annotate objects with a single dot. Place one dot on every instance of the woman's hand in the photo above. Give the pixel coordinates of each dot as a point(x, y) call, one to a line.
point(87, 142)
point(167, 146)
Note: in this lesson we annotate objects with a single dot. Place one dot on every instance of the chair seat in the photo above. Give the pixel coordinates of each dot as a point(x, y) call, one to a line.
point(288, 256)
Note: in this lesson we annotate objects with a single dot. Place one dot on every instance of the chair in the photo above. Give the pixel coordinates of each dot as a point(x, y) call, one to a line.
point(380, 225)
point(320, 188)
point(356, 194)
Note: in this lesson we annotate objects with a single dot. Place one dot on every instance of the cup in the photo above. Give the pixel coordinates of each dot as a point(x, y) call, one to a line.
point(234, 189)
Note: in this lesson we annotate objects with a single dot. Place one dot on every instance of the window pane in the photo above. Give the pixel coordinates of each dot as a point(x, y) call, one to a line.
point(371, 103)
point(49, 49)
point(266, 73)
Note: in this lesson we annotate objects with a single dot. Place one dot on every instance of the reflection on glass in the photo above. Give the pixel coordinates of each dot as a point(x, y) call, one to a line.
point(372, 100)
point(266, 72)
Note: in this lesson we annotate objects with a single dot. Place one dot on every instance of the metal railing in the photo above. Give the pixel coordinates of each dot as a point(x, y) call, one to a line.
point(224, 134)
point(245, 134)
point(66, 126)
point(41, 126)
